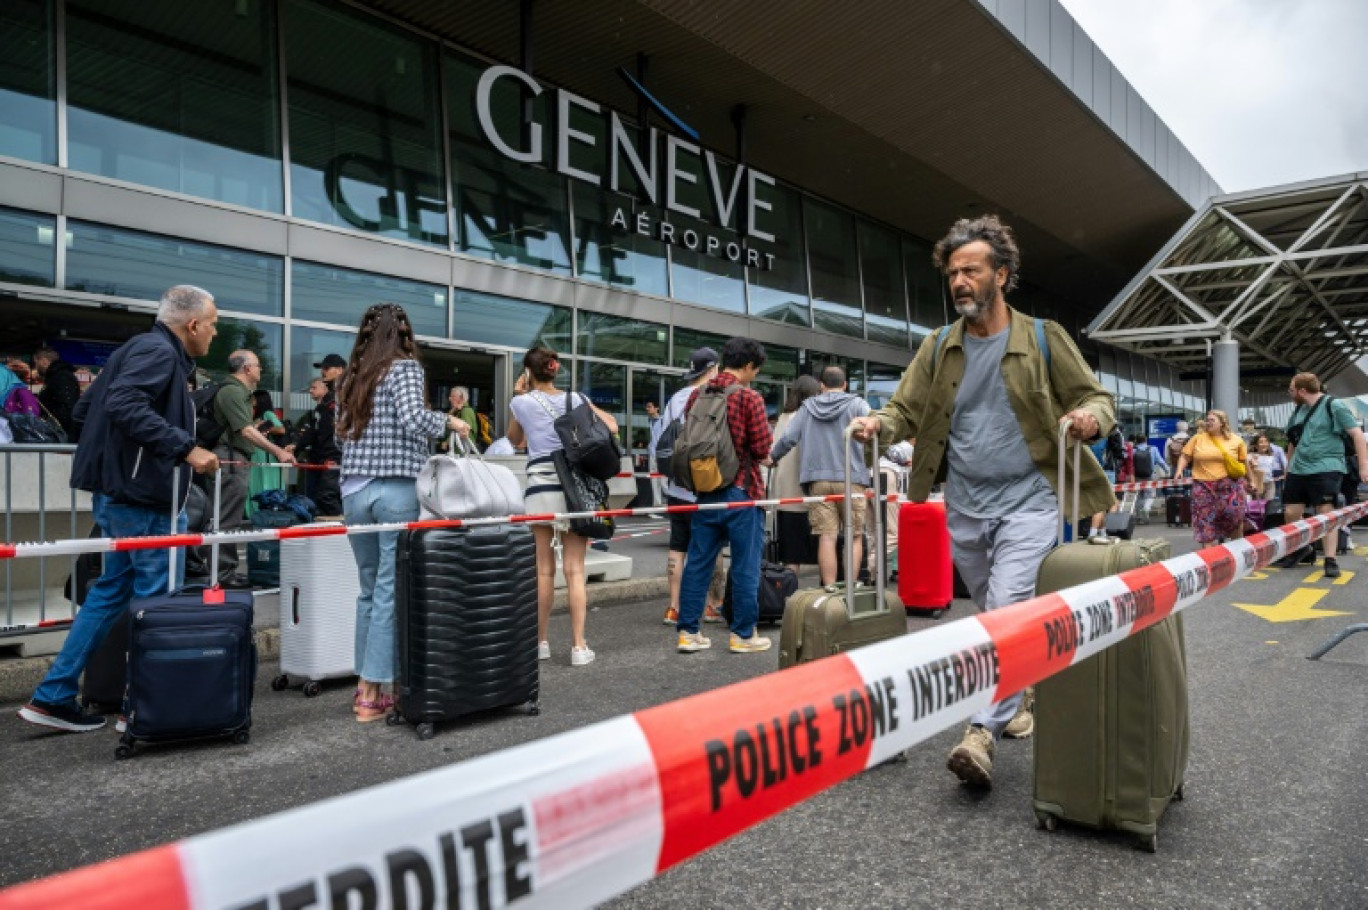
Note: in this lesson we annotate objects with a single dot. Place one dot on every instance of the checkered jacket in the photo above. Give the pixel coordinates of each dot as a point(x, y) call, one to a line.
point(395, 443)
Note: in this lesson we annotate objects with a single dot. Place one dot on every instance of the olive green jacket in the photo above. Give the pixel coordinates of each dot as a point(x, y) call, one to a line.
point(925, 399)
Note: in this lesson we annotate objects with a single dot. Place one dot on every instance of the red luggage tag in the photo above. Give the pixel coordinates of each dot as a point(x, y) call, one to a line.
point(214, 595)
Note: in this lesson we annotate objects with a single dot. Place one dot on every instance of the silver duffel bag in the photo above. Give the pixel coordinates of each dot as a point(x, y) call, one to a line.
point(464, 485)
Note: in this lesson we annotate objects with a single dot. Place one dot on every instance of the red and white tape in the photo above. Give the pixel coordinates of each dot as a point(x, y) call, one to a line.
point(1152, 485)
point(578, 818)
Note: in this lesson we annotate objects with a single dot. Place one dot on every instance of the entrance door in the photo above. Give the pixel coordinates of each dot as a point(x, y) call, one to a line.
point(646, 386)
point(481, 374)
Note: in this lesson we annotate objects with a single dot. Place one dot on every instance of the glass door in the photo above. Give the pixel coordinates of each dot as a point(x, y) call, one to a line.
point(649, 391)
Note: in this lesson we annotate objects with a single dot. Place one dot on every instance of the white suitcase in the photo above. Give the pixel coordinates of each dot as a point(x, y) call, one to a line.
point(318, 591)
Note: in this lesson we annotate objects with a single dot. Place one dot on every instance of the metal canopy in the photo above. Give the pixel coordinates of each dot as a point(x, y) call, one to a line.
point(1283, 271)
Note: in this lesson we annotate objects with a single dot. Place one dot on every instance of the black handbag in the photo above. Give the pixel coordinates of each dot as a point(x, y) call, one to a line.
point(33, 430)
point(591, 447)
point(583, 494)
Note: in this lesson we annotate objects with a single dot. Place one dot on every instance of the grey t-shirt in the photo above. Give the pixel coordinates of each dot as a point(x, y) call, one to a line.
point(991, 473)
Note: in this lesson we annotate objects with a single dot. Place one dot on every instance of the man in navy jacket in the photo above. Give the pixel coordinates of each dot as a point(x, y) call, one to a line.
point(136, 428)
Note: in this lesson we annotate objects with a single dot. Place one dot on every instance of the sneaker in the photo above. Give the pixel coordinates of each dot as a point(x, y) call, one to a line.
point(1332, 569)
point(972, 760)
point(544, 650)
point(1022, 724)
point(580, 657)
point(713, 614)
point(692, 641)
point(671, 616)
point(750, 645)
point(68, 717)
point(1102, 540)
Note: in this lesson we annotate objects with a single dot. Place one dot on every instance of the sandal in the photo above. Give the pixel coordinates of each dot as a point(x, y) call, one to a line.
point(356, 700)
point(367, 711)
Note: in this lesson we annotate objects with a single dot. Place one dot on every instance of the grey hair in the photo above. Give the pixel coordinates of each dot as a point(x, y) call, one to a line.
point(999, 237)
point(464, 392)
point(182, 303)
point(238, 360)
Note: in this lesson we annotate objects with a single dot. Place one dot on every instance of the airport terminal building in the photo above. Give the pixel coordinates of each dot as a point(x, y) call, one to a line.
point(625, 180)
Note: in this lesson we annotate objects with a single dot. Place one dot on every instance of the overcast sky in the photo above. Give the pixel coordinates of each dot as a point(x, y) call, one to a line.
point(1261, 91)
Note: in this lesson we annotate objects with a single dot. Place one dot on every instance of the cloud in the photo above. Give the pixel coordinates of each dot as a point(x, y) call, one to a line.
point(1262, 92)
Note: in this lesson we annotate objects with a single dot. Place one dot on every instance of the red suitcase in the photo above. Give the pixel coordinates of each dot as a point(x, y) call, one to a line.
point(925, 571)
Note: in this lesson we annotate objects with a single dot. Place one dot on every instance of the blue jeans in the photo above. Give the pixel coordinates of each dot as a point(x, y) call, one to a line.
point(129, 575)
point(745, 530)
point(386, 499)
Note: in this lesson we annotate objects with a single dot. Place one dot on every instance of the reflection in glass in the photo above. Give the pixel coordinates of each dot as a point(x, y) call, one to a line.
point(322, 293)
point(834, 267)
point(309, 346)
point(618, 338)
point(505, 211)
point(179, 101)
point(686, 341)
point(622, 257)
point(28, 253)
point(28, 81)
point(365, 135)
point(487, 319)
point(120, 263)
point(261, 338)
point(885, 300)
point(882, 382)
point(925, 288)
point(606, 386)
point(781, 363)
point(781, 293)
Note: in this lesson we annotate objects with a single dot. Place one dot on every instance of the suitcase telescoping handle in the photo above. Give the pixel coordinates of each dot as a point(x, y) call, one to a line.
point(852, 570)
point(1064, 427)
point(175, 552)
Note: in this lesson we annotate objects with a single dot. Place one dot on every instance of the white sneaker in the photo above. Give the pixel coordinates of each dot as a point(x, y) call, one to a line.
point(544, 651)
point(1102, 540)
point(579, 657)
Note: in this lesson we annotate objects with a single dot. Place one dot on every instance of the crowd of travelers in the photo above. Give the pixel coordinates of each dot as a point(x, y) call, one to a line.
point(993, 445)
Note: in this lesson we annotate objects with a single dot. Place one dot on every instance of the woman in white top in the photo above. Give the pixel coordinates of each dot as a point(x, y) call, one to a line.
point(1262, 459)
point(536, 404)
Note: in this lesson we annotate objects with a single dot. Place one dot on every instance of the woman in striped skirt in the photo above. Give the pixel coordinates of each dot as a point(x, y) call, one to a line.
point(536, 404)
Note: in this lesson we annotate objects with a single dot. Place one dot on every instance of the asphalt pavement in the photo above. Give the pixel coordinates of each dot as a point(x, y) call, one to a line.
point(1273, 815)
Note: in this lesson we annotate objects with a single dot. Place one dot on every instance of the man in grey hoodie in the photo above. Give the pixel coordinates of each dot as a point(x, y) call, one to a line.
point(820, 426)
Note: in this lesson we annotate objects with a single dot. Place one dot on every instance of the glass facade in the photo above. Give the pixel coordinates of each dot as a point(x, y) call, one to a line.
point(518, 324)
point(28, 251)
point(28, 81)
point(619, 338)
point(328, 294)
point(262, 338)
point(119, 263)
point(177, 97)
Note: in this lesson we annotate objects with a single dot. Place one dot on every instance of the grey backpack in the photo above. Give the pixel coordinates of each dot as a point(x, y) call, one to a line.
point(704, 458)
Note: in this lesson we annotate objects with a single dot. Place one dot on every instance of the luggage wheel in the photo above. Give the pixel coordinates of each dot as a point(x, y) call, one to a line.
point(1047, 821)
point(1149, 843)
point(394, 719)
point(313, 688)
point(533, 709)
point(426, 731)
point(280, 683)
point(1178, 794)
point(242, 737)
point(122, 752)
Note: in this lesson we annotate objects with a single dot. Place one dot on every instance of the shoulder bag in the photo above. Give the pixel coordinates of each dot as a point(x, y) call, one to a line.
point(588, 443)
point(463, 485)
point(1235, 469)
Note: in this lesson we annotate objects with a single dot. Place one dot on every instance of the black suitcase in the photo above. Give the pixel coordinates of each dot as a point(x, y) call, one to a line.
point(466, 604)
point(1179, 511)
point(191, 668)
point(777, 584)
point(1274, 516)
point(1121, 525)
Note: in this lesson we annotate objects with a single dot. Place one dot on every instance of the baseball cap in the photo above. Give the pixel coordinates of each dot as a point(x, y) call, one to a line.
point(700, 361)
point(332, 360)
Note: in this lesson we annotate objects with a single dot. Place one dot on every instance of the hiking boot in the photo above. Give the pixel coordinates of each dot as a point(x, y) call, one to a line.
point(68, 717)
point(750, 645)
point(671, 616)
point(1022, 724)
point(690, 642)
point(713, 614)
point(972, 760)
point(1332, 569)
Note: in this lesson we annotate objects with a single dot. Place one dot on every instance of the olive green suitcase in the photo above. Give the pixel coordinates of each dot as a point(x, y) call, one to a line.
point(820, 622)
point(1111, 734)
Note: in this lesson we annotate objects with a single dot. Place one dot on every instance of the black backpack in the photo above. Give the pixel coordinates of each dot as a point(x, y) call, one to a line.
point(1144, 462)
point(208, 430)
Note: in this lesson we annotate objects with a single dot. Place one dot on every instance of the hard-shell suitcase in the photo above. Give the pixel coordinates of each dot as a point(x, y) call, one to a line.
point(1179, 510)
point(192, 661)
point(1120, 525)
point(927, 585)
point(1111, 733)
point(466, 602)
point(318, 591)
point(819, 622)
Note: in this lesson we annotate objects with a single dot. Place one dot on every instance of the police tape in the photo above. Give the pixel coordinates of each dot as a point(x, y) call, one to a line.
point(1134, 486)
point(77, 547)
point(575, 819)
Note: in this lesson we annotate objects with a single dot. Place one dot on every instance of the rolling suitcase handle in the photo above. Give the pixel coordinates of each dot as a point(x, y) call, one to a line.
point(214, 594)
point(1064, 426)
point(853, 571)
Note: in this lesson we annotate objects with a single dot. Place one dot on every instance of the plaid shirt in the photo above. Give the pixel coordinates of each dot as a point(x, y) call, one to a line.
point(395, 443)
point(750, 432)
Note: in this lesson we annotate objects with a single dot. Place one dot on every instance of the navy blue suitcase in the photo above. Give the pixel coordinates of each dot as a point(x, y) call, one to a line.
point(191, 668)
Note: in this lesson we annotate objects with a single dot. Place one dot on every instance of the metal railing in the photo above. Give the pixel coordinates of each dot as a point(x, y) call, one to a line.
point(41, 507)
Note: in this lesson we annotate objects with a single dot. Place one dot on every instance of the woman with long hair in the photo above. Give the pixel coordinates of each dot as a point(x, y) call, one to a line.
point(385, 427)
point(273, 428)
point(1264, 460)
point(535, 406)
point(793, 535)
point(1218, 499)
